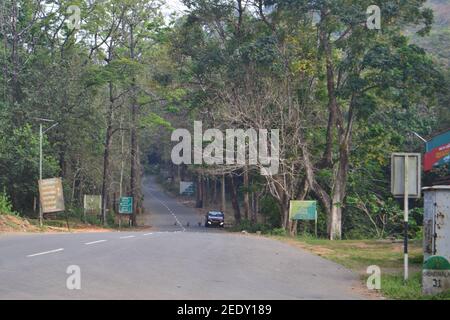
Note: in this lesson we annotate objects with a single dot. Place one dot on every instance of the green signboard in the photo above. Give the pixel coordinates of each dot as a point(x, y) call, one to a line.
point(126, 205)
point(302, 210)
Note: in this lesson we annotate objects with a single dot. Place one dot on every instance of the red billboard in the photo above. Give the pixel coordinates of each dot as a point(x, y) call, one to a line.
point(437, 151)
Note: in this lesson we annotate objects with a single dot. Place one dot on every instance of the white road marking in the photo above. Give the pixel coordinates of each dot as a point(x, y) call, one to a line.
point(45, 252)
point(171, 212)
point(147, 234)
point(127, 237)
point(98, 241)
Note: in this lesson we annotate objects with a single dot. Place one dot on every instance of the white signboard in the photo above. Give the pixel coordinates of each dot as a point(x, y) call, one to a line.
point(411, 162)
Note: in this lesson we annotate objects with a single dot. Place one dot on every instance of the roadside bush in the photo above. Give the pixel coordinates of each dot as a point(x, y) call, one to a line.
point(93, 219)
point(75, 212)
point(278, 232)
point(110, 218)
point(5, 205)
point(248, 226)
point(271, 211)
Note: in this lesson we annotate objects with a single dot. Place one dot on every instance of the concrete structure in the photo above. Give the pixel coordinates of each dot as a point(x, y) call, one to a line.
point(436, 244)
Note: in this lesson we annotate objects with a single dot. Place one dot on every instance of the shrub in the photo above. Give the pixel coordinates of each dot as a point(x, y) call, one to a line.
point(278, 232)
point(248, 226)
point(5, 205)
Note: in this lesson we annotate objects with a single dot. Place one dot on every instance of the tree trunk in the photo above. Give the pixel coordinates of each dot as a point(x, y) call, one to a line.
point(339, 192)
point(234, 200)
point(5, 48)
point(254, 208)
point(133, 172)
point(246, 195)
point(222, 189)
point(199, 192)
point(284, 210)
point(105, 180)
point(293, 227)
point(14, 53)
point(214, 199)
point(205, 192)
point(106, 152)
point(134, 154)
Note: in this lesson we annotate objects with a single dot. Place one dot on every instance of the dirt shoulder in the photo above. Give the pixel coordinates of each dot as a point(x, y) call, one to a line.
point(16, 224)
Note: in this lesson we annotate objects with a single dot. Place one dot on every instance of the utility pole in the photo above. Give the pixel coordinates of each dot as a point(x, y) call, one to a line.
point(405, 205)
point(41, 137)
point(40, 171)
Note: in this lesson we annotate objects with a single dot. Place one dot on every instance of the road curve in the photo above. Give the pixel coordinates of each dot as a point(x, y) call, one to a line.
point(167, 263)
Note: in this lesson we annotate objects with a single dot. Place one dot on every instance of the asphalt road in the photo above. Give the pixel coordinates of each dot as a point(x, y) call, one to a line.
point(169, 261)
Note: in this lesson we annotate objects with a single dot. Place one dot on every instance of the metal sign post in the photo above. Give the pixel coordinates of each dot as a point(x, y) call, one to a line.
point(405, 183)
point(41, 215)
point(125, 207)
point(41, 136)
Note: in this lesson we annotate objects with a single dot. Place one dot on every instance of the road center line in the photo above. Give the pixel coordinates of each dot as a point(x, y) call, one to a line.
point(127, 237)
point(45, 252)
point(98, 241)
point(170, 210)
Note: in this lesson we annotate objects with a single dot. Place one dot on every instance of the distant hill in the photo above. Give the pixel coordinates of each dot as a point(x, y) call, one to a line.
point(438, 42)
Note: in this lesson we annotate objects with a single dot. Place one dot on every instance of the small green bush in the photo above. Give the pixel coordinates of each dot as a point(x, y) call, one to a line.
point(5, 205)
point(110, 218)
point(278, 232)
point(93, 219)
point(251, 227)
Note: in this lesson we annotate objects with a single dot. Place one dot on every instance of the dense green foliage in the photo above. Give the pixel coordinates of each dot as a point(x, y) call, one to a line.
point(344, 97)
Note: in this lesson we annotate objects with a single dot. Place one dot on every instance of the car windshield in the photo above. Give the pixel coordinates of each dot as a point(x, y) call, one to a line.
point(215, 214)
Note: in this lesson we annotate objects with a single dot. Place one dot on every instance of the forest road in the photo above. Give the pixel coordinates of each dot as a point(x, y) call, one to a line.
point(169, 261)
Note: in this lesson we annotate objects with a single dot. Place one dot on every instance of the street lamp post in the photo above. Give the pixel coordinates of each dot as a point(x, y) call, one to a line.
point(41, 137)
point(40, 171)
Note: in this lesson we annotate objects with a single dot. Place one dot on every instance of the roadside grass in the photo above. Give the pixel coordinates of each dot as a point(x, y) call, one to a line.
point(15, 223)
point(393, 286)
point(357, 255)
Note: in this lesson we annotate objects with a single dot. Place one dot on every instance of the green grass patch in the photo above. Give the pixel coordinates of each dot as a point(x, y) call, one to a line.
point(357, 255)
point(393, 286)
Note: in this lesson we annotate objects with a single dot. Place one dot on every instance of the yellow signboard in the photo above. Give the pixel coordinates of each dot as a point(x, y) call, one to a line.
point(51, 195)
